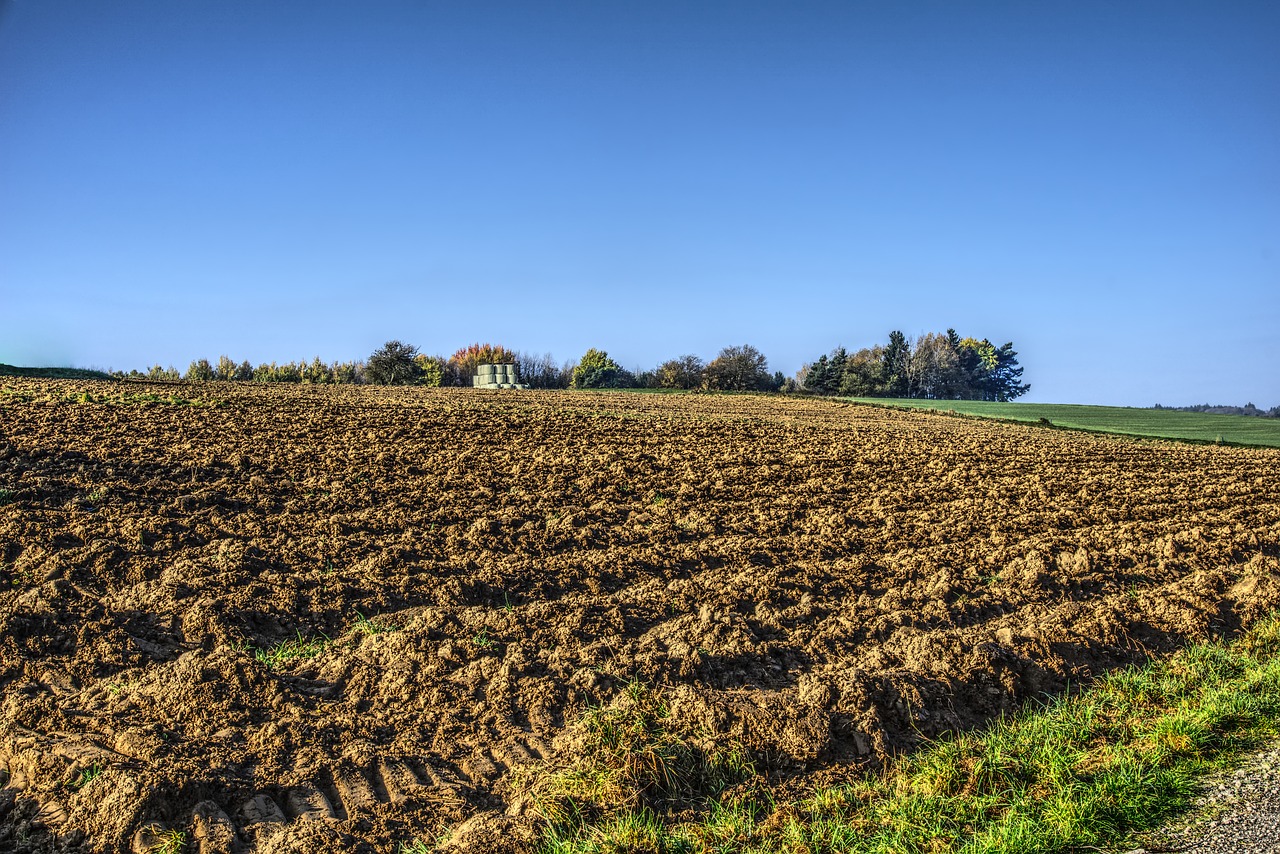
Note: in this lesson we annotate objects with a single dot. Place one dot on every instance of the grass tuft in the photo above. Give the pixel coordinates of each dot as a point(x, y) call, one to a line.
point(167, 841)
point(87, 776)
point(286, 652)
point(637, 763)
point(375, 625)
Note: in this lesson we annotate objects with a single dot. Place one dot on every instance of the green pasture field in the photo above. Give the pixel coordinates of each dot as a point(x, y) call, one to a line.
point(1157, 423)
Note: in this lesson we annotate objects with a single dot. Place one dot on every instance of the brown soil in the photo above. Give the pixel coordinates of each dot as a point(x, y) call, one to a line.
point(829, 583)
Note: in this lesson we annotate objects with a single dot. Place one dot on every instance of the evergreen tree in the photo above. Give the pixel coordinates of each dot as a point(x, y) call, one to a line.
point(316, 372)
point(1004, 378)
point(896, 358)
point(816, 378)
point(975, 360)
point(835, 375)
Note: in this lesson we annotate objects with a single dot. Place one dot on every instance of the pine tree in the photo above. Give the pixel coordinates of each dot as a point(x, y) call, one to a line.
point(835, 373)
point(896, 356)
point(817, 377)
point(1006, 374)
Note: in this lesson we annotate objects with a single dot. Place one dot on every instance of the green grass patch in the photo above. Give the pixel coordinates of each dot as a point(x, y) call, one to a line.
point(46, 396)
point(145, 399)
point(1155, 423)
point(287, 652)
point(1092, 770)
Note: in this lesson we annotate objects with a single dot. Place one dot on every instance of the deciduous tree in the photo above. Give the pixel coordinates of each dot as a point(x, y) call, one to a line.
point(541, 371)
point(348, 372)
point(933, 366)
point(226, 369)
point(431, 369)
point(157, 372)
point(684, 372)
point(864, 373)
point(392, 364)
point(938, 366)
point(738, 369)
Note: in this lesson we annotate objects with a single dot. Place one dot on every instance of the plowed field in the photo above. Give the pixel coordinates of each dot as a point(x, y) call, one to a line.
point(309, 619)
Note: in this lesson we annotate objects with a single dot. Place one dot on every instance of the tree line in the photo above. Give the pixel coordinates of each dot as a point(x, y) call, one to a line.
point(201, 370)
point(943, 366)
point(940, 366)
point(737, 368)
point(1225, 409)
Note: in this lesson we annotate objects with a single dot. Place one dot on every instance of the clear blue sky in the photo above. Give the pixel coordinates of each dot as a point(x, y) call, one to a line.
point(1098, 182)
